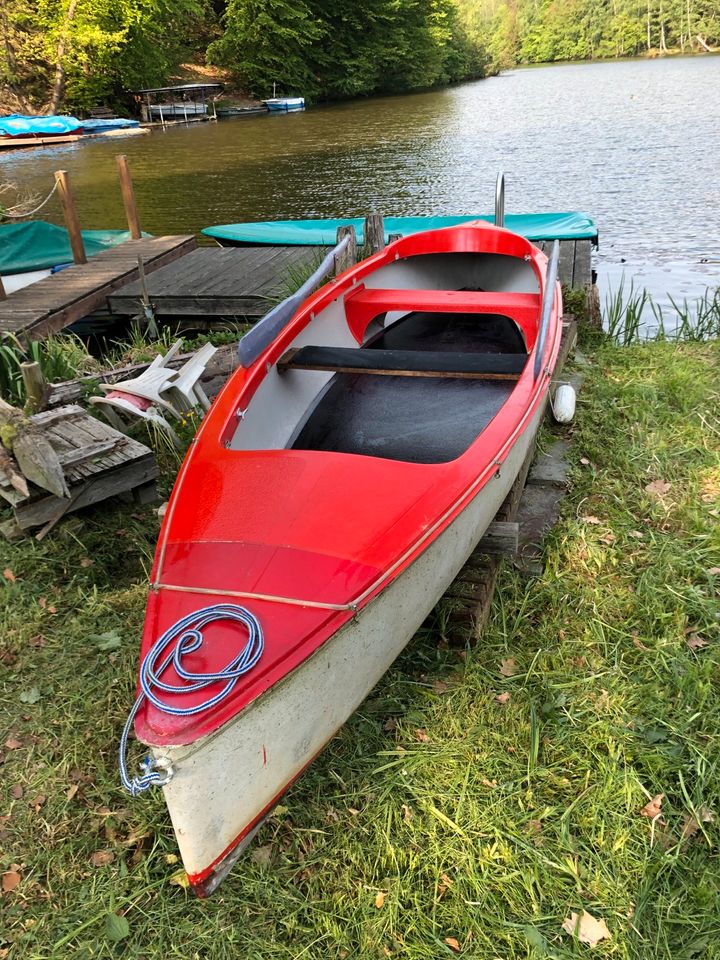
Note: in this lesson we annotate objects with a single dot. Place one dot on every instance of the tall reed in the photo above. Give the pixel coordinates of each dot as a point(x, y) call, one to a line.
point(689, 321)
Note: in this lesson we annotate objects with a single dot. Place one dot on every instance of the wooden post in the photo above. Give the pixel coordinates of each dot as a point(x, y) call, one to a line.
point(348, 258)
point(35, 385)
point(374, 232)
point(71, 218)
point(3, 295)
point(128, 195)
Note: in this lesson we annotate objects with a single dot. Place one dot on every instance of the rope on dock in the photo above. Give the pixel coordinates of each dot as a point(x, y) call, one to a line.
point(30, 213)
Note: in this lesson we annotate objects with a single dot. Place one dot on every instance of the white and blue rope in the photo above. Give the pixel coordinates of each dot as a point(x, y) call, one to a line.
point(186, 635)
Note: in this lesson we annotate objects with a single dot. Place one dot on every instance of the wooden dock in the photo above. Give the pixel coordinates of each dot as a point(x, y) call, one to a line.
point(244, 281)
point(186, 281)
point(45, 307)
point(219, 281)
point(575, 264)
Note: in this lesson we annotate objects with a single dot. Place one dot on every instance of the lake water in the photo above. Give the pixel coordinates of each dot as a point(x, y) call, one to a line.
point(633, 143)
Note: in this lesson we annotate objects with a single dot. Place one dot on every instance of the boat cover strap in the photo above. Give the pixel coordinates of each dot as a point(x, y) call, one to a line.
point(408, 363)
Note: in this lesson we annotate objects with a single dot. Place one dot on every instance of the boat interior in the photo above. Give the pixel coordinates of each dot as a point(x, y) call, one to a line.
point(410, 365)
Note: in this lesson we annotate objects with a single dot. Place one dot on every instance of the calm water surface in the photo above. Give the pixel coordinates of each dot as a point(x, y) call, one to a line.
point(635, 144)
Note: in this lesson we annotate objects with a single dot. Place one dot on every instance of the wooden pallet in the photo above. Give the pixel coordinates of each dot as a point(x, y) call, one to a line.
point(98, 462)
point(45, 307)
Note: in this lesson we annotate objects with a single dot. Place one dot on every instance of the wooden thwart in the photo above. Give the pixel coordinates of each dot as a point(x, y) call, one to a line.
point(405, 363)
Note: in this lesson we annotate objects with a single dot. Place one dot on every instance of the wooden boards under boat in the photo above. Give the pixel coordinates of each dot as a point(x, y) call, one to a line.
point(333, 492)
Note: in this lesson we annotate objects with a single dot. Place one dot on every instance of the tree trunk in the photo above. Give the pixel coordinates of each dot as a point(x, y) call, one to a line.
point(59, 83)
point(9, 52)
point(649, 41)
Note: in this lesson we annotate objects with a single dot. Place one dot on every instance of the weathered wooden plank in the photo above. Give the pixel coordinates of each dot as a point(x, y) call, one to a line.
point(474, 587)
point(501, 539)
point(56, 301)
point(582, 274)
point(93, 451)
point(566, 263)
point(135, 473)
point(217, 281)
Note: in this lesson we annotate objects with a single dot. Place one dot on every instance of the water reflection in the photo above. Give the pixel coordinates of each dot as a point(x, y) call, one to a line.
point(633, 143)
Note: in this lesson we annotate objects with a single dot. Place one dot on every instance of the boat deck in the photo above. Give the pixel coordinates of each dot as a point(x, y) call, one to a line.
point(45, 307)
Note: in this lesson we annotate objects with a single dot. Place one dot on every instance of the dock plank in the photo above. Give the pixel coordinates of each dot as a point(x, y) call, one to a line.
point(217, 281)
point(45, 307)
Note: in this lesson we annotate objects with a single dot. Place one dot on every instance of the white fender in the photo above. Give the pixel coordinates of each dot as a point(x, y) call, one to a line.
point(563, 406)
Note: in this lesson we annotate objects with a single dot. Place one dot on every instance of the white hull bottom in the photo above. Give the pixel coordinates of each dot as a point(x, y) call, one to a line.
point(17, 281)
point(225, 784)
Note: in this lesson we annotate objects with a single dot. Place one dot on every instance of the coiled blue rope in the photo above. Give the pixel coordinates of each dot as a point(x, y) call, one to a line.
point(186, 635)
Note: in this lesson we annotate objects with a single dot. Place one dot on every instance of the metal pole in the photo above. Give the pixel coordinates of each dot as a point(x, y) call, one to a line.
point(500, 200)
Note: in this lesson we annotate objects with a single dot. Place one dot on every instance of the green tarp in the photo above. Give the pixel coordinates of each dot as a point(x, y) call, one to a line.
point(534, 226)
point(40, 246)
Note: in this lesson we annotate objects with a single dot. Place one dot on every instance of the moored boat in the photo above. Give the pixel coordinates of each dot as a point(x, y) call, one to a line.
point(226, 113)
point(180, 110)
point(31, 250)
point(335, 489)
point(285, 104)
point(534, 226)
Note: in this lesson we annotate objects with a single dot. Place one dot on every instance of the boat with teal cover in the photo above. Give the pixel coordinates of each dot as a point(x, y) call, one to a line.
point(36, 245)
point(532, 226)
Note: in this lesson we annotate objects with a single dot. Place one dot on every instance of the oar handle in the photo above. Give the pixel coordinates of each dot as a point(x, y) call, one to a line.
point(267, 329)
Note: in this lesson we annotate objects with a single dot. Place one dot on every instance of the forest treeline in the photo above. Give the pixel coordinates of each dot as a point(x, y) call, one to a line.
point(73, 54)
point(542, 31)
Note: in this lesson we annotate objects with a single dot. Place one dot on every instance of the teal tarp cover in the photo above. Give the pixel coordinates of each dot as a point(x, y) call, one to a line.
point(534, 226)
point(40, 246)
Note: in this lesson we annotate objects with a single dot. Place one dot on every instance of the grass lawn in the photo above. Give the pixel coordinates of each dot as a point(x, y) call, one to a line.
point(462, 810)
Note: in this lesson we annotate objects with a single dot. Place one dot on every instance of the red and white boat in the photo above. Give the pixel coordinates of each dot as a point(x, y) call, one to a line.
point(335, 489)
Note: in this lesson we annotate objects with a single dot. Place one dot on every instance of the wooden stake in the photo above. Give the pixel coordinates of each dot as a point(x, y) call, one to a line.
point(374, 232)
point(71, 218)
point(348, 258)
point(35, 385)
point(128, 195)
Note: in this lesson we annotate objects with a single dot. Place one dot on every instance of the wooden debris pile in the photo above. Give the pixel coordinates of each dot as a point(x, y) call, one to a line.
point(58, 461)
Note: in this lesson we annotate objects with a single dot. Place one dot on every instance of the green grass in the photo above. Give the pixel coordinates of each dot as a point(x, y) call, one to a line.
point(480, 821)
